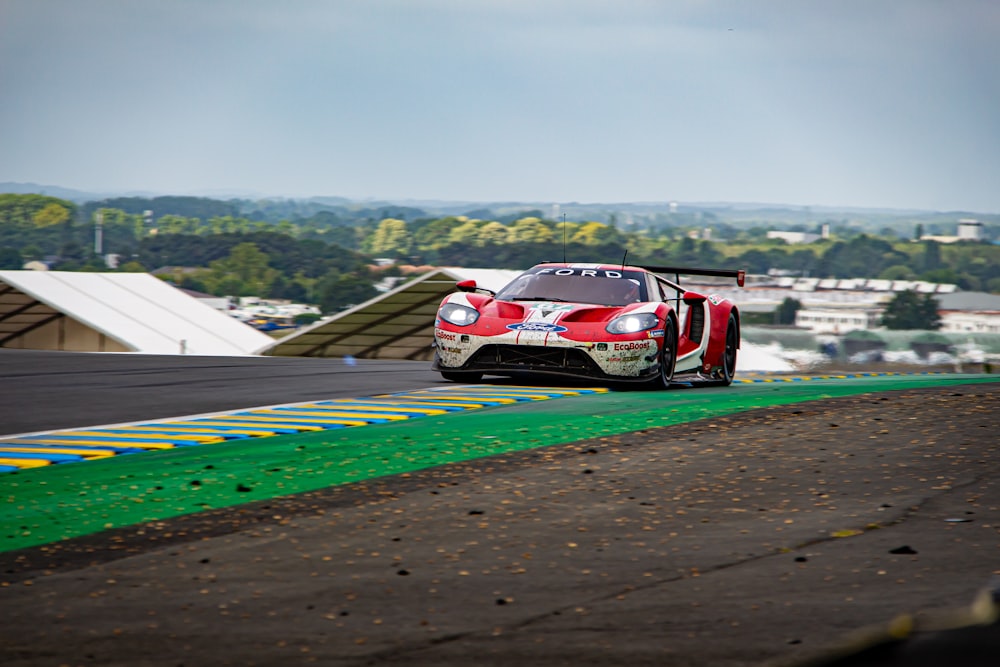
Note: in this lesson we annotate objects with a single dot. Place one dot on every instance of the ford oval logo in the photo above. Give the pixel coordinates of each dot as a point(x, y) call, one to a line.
point(537, 326)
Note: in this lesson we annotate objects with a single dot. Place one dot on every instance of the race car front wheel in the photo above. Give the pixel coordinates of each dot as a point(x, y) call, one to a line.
point(668, 354)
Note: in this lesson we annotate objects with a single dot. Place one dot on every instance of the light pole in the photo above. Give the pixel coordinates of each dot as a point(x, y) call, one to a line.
point(99, 233)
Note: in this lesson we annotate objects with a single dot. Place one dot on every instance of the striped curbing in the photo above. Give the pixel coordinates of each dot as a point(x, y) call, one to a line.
point(71, 446)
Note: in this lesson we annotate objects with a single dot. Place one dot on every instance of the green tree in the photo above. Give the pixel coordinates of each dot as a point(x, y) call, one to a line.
point(435, 233)
point(284, 287)
point(943, 276)
point(685, 253)
point(33, 211)
point(708, 256)
point(345, 237)
point(391, 238)
point(755, 261)
point(51, 214)
point(228, 224)
point(467, 232)
point(73, 252)
point(861, 257)
point(305, 319)
point(132, 267)
point(10, 259)
point(339, 291)
point(531, 230)
point(898, 272)
point(189, 207)
point(120, 230)
point(244, 272)
point(912, 310)
point(932, 256)
point(785, 314)
point(492, 233)
point(176, 224)
point(801, 261)
point(596, 233)
point(565, 231)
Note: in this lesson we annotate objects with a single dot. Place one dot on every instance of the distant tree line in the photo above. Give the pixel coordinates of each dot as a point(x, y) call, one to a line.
point(327, 256)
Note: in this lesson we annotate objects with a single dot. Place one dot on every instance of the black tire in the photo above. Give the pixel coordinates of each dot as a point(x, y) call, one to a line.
point(668, 355)
point(728, 370)
point(458, 376)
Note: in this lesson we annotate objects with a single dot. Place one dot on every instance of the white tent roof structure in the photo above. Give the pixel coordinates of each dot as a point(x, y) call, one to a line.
point(396, 325)
point(114, 312)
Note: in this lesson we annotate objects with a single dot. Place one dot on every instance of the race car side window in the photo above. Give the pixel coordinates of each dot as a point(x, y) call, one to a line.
point(669, 295)
point(661, 291)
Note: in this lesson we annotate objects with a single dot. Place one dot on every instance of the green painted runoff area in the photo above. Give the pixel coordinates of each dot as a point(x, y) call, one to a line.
point(44, 505)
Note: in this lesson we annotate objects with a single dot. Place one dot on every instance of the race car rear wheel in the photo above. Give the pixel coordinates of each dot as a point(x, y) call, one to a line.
point(728, 370)
point(454, 376)
point(668, 354)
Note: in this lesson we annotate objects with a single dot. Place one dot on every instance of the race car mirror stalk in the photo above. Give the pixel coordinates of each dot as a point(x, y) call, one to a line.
point(470, 286)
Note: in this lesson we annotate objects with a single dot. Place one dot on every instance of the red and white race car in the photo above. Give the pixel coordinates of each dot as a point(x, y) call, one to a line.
point(600, 321)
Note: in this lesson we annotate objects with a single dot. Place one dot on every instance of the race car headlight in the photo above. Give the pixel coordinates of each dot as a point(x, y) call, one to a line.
point(459, 315)
point(632, 323)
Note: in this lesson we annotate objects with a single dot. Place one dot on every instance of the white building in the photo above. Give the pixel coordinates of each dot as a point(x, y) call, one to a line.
point(829, 305)
point(837, 320)
point(793, 238)
point(968, 230)
point(970, 312)
point(970, 322)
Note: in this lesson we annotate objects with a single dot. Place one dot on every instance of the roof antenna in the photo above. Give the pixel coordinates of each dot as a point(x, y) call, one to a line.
point(623, 260)
point(564, 238)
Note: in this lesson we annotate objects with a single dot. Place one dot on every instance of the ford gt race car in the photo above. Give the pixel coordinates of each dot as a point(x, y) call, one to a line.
point(598, 321)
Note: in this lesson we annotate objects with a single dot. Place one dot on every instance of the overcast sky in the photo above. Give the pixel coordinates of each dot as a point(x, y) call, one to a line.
point(875, 103)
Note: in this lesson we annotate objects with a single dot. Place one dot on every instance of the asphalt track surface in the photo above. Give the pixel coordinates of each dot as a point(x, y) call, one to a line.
point(737, 541)
point(54, 390)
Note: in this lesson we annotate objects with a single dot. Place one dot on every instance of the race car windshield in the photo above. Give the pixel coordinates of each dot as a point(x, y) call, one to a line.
point(576, 286)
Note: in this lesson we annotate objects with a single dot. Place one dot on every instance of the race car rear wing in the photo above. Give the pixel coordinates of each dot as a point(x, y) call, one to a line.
point(739, 274)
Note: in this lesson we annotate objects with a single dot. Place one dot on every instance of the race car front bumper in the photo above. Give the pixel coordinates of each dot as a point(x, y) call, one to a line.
point(626, 360)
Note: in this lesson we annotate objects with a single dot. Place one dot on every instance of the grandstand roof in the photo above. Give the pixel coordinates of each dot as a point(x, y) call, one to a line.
point(396, 325)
